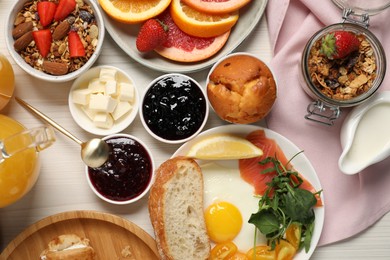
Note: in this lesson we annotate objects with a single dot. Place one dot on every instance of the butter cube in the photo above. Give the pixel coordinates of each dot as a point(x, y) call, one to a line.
point(96, 86)
point(103, 120)
point(111, 88)
point(107, 74)
point(88, 112)
point(121, 109)
point(81, 96)
point(126, 91)
point(102, 103)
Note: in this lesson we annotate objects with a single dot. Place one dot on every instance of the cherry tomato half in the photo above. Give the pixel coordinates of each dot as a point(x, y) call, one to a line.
point(284, 250)
point(223, 251)
point(262, 252)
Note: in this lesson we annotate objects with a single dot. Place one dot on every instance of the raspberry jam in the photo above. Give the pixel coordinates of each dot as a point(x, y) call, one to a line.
point(126, 174)
point(174, 107)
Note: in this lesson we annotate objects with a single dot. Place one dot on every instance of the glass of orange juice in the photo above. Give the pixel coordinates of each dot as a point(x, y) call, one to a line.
point(19, 163)
point(7, 79)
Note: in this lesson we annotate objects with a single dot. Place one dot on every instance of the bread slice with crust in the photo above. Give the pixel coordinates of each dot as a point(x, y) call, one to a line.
point(176, 211)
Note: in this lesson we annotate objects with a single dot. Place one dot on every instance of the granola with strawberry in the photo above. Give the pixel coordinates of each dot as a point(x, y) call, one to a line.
point(55, 36)
point(342, 65)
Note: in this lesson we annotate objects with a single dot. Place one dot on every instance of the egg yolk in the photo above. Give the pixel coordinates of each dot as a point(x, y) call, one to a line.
point(223, 221)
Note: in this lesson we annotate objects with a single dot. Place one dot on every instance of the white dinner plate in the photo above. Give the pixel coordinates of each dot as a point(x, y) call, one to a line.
point(300, 163)
point(125, 35)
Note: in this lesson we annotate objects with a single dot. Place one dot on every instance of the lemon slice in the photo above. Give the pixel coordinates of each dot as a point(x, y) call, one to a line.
point(224, 147)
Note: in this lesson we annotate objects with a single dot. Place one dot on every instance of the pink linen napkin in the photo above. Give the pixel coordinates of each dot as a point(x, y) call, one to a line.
point(352, 203)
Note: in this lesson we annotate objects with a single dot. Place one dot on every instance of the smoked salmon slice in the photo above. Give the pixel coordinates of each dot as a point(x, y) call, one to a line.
point(251, 170)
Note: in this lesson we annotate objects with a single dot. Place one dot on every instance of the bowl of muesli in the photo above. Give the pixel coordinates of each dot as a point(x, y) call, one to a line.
point(347, 75)
point(55, 40)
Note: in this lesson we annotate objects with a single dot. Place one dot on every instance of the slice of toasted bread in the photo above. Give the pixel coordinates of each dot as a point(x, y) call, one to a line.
point(176, 211)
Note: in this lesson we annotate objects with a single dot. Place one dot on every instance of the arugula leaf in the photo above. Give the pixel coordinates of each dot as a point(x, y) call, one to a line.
point(266, 221)
point(298, 204)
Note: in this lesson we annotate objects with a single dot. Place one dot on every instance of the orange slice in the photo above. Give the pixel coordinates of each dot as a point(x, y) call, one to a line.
point(216, 6)
point(134, 11)
point(201, 24)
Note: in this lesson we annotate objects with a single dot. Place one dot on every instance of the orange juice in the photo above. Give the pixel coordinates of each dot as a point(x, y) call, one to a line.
point(7, 80)
point(19, 172)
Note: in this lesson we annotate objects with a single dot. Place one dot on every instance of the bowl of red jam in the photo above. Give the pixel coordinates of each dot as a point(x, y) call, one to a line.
point(174, 108)
point(128, 173)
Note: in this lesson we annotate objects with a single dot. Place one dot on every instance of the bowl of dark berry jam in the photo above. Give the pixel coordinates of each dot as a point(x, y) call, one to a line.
point(128, 173)
point(174, 108)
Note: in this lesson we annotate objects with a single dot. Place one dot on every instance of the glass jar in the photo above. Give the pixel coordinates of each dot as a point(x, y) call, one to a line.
point(7, 79)
point(329, 94)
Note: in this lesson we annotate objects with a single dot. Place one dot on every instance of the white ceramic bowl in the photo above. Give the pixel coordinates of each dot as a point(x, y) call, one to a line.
point(174, 107)
point(121, 178)
point(84, 121)
point(17, 6)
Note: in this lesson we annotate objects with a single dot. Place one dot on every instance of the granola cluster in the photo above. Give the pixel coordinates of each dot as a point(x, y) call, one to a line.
point(58, 61)
point(343, 79)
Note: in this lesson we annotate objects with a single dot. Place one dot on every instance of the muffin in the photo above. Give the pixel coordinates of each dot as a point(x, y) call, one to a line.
point(241, 89)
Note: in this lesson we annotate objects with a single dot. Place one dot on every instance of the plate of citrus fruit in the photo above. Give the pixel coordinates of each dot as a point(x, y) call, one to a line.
point(242, 180)
point(180, 35)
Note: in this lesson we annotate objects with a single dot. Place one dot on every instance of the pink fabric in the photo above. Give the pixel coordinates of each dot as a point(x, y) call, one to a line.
point(352, 203)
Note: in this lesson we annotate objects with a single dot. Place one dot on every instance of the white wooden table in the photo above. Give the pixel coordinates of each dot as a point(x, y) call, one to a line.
point(62, 185)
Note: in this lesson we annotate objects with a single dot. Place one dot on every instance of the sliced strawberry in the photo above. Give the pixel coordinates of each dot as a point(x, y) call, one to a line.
point(76, 47)
point(43, 40)
point(64, 8)
point(46, 12)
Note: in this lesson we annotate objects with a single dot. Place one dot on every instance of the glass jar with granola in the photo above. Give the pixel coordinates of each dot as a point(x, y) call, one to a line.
point(342, 65)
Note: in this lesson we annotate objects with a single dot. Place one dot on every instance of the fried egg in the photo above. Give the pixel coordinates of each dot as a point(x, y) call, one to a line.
point(229, 202)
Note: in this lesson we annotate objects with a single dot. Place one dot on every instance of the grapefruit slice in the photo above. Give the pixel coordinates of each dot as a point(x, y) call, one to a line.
point(183, 47)
point(216, 6)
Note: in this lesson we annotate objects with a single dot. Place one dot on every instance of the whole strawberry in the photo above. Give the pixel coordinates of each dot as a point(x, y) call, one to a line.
point(339, 44)
point(152, 34)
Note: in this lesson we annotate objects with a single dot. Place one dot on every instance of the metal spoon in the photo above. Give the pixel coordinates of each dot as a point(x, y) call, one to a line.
point(94, 152)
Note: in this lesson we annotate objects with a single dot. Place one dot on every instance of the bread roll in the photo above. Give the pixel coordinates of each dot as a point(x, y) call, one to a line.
point(176, 211)
point(68, 246)
point(241, 89)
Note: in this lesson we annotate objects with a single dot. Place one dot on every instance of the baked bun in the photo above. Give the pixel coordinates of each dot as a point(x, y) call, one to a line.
point(176, 211)
point(241, 89)
point(68, 246)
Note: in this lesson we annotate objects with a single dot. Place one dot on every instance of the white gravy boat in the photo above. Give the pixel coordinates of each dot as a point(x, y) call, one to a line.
point(365, 134)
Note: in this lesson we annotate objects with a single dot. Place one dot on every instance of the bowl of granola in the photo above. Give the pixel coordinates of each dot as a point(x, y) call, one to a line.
point(342, 65)
point(55, 40)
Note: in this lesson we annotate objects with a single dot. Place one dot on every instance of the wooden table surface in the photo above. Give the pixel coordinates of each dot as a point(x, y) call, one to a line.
point(62, 185)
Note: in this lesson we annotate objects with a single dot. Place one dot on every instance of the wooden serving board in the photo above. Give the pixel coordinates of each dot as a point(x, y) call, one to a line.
point(108, 235)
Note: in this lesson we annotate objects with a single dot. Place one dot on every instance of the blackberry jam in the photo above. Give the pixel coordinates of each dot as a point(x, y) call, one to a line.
point(126, 174)
point(174, 107)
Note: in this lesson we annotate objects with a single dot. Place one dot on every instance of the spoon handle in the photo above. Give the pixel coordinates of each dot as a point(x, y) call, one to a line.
point(47, 120)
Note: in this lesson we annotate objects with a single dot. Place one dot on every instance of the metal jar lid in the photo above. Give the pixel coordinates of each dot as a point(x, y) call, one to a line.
point(363, 7)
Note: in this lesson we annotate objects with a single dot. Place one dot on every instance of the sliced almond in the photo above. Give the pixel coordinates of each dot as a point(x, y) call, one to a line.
point(22, 43)
point(21, 29)
point(61, 30)
point(55, 68)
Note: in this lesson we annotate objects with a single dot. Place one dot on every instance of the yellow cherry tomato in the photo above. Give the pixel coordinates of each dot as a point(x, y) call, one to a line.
point(284, 250)
point(262, 252)
point(223, 251)
point(293, 234)
point(239, 256)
